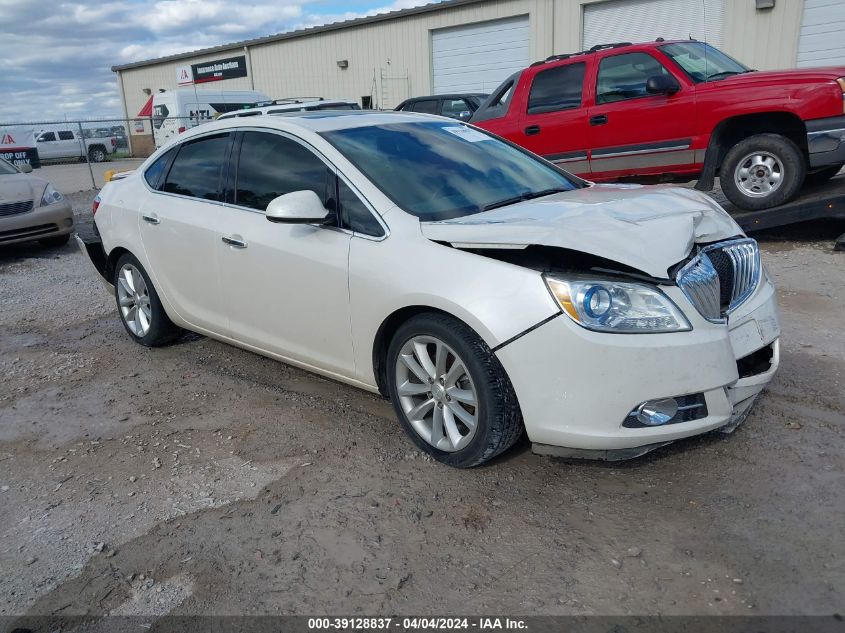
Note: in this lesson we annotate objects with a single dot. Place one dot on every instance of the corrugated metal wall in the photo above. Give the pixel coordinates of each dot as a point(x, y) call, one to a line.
point(392, 59)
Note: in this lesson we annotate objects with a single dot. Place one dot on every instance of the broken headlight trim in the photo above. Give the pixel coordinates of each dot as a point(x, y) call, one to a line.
point(620, 307)
point(50, 195)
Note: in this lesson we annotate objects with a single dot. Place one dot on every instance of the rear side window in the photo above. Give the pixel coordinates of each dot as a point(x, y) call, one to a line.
point(65, 135)
point(624, 76)
point(556, 89)
point(354, 214)
point(155, 172)
point(196, 168)
point(271, 165)
point(428, 106)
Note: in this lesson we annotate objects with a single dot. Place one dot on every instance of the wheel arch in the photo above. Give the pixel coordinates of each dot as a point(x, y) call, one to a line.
point(732, 130)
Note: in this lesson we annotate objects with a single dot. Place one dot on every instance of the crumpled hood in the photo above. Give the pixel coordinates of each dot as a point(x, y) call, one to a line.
point(650, 228)
point(21, 187)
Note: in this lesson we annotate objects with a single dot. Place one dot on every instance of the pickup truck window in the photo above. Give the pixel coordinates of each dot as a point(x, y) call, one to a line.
point(65, 135)
point(47, 136)
point(556, 89)
point(702, 62)
point(427, 106)
point(624, 76)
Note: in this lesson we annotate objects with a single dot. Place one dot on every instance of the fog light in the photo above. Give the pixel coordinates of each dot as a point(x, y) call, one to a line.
point(657, 412)
point(68, 221)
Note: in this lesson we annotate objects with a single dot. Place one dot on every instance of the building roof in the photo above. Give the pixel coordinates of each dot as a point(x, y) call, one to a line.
point(334, 26)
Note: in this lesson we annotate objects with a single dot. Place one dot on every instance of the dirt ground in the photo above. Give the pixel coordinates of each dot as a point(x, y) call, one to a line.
point(199, 478)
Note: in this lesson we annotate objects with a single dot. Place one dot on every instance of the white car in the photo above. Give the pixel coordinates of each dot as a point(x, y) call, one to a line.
point(483, 290)
point(284, 106)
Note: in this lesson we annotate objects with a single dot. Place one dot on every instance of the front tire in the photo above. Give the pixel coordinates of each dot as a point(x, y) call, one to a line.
point(450, 392)
point(139, 306)
point(762, 171)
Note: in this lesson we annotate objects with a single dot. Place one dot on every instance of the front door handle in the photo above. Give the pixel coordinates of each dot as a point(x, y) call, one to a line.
point(233, 242)
point(532, 130)
point(151, 219)
point(599, 119)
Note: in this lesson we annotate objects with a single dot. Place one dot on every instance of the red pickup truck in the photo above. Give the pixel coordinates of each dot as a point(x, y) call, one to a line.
point(676, 111)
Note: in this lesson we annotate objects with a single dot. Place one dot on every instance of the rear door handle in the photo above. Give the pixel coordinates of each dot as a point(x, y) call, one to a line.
point(599, 119)
point(233, 242)
point(151, 219)
point(532, 130)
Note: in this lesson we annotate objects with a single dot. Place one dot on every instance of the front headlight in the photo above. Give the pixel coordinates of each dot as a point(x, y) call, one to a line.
point(50, 196)
point(623, 307)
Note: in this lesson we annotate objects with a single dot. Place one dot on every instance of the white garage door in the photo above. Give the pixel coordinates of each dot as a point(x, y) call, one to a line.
point(646, 20)
point(822, 39)
point(478, 57)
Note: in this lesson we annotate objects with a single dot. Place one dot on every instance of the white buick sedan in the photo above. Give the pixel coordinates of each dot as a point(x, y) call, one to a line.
point(483, 290)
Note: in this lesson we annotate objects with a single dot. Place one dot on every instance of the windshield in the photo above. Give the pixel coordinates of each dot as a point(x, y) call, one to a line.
point(702, 62)
point(7, 168)
point(442, 170)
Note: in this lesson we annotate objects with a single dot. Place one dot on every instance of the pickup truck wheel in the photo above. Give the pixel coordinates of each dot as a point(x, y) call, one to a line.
point(97, 154)
point(822, 175)
point(762, 171)
point(138, 304)
point(450, 392)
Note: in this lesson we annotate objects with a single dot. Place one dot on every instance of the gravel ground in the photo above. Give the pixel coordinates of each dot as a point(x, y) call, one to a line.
point(200, 478)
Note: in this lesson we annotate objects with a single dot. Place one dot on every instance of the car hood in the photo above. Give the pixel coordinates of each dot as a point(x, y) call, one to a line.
point(791, 76)
point(647, 228)
point(21, 187)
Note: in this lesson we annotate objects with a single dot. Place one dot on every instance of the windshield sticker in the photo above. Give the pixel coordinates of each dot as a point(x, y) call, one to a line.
point(467, 133)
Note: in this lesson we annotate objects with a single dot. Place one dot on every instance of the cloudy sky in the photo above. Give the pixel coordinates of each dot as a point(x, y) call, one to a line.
point(57, 55)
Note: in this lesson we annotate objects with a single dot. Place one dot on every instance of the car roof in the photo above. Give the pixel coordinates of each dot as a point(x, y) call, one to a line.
point(616, 47)
point(291, 106)
point(315, 121)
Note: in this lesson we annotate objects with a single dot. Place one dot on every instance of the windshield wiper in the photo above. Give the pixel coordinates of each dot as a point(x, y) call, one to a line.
point(526, 195)
point(727, 73)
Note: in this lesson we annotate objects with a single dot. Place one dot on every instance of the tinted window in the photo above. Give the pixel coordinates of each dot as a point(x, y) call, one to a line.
point(437, 170)
point(624, 76)
point(429, 106)
point(47, 136)
point(196, 169)
point(65, 136)
point(354, 214)
point(155, 172)
point(453, 108)
point(557, 89)
point(271, 165)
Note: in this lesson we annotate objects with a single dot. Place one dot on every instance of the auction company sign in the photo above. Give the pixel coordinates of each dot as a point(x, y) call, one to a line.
point(218, 70)
point(18, 147)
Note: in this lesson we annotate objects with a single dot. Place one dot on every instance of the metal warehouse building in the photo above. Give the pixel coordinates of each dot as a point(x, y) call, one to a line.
point(472, 45)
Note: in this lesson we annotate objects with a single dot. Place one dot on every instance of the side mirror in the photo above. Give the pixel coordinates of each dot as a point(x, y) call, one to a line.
point(662, 84)
point(465, 115)
point(25, 168)
point(298, 207)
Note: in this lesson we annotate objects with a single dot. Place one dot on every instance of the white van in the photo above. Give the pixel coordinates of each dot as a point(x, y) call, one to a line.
point(175, 111)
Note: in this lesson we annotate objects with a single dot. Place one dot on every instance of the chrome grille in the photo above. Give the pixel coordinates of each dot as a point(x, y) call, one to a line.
point(13, 208)
point(721, 277)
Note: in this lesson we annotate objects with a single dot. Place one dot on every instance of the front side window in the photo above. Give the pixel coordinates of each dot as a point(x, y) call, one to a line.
point(47, 136)
point(456, 108)
point(702, 62)
point(271, 165)
point(6, 168)
point(197, 167)
point(354, 214)
point(439, 170)
point(65, 135)
point(624, 76)
point(556, 89)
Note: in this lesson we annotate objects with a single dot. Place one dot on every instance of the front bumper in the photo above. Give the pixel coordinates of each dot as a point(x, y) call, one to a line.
point(576, 387)
point(42, 222)
point(826, 141)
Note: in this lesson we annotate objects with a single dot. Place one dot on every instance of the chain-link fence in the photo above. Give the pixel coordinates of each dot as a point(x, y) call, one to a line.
point(76, 155)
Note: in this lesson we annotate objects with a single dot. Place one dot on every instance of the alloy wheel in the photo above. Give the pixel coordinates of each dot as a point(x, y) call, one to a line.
point(759, 174)
point(436, 393)
point(133, 298)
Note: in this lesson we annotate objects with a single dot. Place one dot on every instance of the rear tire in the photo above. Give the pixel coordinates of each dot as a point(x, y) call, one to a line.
point(465, 412)
point(822, 175)
point(139, 306)
point(55, 242)
point(762, 171)
point(97, 155)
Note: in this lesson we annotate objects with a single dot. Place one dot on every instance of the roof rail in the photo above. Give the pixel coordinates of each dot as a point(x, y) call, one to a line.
point(593, 49)
point(286, 100)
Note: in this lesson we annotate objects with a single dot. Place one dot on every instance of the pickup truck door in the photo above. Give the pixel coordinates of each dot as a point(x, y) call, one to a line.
point(48, 145)
point(634, 132)
point(554, 119)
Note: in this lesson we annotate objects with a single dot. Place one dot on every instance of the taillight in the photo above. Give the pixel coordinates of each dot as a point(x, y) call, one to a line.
point(181, 129)
point(95, 205)
point(114, 142)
